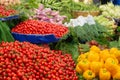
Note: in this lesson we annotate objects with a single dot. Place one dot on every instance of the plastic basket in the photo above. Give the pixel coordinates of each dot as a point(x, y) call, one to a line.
point(35, 38)
point(9, 18)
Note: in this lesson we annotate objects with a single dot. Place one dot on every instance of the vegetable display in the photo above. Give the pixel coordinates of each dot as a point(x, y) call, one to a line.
point(46, 14)
point(4, 12)
point(109, 10)
point(91, 32)
point(27, 61)
point(40, 27)
point(103, 64)
point(109, 24)
point(105, 22)
point(59, 40)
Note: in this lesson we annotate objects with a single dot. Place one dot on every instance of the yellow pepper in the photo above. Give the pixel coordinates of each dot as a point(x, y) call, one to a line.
point(104, 54)
point(84, 64)
point(95, 67)
point(110, 61)
point(78, 69)
point(88, 75)
point(116, 70)
point(113, 56)
point(104, 74)
point(93, 56)
point(95, 49)
point(79, 57)
point(111, 65)
point(117, 76)
point(117, 55)
point(82, 56)
point(115, 51)
point(118, 58)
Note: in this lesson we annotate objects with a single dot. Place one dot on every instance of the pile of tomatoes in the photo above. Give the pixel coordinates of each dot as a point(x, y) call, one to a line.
point(26, 61)
point(40, 27)
point(5, 12)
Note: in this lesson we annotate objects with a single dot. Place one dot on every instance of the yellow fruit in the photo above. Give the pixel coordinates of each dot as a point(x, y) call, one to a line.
point(84, 64)
point(78, 69)
point(88, 75)
point(104, 74)
point(93, 56)
point(95, 49)
point(96, 66)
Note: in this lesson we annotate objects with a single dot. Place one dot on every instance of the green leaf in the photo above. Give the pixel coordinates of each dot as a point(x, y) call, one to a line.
point(113, 44)
point(5, 34)
point(71, 48)
point(84, 47)
point(80, 77)
point(91, 32)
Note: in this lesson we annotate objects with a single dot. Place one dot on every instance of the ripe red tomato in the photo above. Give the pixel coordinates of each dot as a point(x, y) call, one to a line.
point(26, 61)
point(39, 27)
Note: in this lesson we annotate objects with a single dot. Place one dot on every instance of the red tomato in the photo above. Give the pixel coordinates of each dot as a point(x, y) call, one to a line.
point(39, 27)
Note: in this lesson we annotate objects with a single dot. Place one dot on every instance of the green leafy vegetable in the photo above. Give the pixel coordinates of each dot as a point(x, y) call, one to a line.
point(69, 43)
point(84, 47)
point(5, 34)
point(115, 44)
point(26, 8)
point(91, 32)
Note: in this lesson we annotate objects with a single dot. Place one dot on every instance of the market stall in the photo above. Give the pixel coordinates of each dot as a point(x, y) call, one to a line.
point(59, 40)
